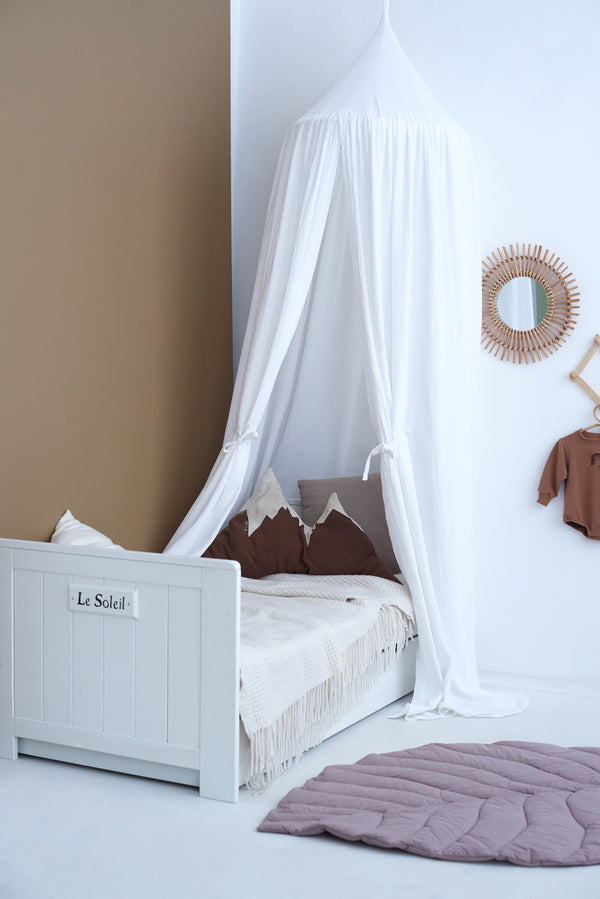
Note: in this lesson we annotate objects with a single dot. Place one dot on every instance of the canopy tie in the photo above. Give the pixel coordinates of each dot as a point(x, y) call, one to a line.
point(383, 448)
point(239, 437)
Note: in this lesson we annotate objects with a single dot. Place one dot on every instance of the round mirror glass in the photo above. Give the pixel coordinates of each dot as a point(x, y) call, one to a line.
point(522, 303)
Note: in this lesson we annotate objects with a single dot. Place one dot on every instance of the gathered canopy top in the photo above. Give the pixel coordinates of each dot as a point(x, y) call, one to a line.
point(362, 344)
point(382, 82)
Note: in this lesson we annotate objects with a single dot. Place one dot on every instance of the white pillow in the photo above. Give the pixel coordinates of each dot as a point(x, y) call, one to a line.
point(70, 530)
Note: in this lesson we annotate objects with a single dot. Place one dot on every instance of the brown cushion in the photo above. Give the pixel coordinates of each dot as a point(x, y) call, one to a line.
point(362, 501)
point(276, 546)
point(265, 537)
point(337, 545)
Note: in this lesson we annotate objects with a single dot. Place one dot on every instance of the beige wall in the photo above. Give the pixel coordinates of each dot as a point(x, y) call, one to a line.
point(115, 338)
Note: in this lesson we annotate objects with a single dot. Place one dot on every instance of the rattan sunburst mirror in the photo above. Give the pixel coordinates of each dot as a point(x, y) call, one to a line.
point(530, 303)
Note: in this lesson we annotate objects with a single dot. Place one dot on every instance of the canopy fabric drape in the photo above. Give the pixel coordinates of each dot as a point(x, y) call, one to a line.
point(362, 345)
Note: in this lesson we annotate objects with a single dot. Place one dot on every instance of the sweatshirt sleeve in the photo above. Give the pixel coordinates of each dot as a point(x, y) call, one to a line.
point(555, 471)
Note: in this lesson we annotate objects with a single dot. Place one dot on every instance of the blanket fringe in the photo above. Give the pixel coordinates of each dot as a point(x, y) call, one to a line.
point(306, 722)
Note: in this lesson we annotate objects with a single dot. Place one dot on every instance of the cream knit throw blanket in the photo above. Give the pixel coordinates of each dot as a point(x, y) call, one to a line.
point(311, 648)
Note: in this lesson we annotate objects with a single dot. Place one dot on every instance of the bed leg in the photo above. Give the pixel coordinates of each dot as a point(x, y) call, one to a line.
point(8, 742)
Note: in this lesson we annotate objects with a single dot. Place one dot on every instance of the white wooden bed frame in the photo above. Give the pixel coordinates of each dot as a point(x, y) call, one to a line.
point(156, 695)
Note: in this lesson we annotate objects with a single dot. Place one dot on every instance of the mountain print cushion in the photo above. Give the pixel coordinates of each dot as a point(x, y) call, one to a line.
point(268, 537)
point(363, 502)
point(337, 545)
point(265, 537)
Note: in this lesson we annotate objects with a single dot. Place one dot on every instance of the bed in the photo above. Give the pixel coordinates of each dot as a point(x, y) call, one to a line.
point(133, 662)
point(157, 695)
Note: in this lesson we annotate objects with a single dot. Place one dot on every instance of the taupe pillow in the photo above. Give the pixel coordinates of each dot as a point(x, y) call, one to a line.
point(362, 500)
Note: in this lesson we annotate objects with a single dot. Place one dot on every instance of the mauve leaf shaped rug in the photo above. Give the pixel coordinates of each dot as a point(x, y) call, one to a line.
point(527, 803)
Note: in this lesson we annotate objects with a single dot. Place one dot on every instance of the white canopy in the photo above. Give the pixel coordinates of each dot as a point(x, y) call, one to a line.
point(363, 341)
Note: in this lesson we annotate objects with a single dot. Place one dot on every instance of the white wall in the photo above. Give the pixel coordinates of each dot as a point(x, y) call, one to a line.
point(523, 79)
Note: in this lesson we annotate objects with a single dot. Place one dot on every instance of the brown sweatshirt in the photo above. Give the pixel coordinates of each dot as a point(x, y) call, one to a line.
point(575, 459)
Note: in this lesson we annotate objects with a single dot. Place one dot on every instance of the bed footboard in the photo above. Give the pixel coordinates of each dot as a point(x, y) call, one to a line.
point(120, 660)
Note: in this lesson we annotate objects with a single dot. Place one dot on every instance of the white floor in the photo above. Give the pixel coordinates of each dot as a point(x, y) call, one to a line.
point(69, 832)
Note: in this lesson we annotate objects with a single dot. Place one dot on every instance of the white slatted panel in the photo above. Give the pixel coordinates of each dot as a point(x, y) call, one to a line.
point(28, 618)
point(88, 660)
point(57, 650)
point(8, 743)
point(119, 669)
point(151, 669)
point(184, 666)
point(125, 686)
